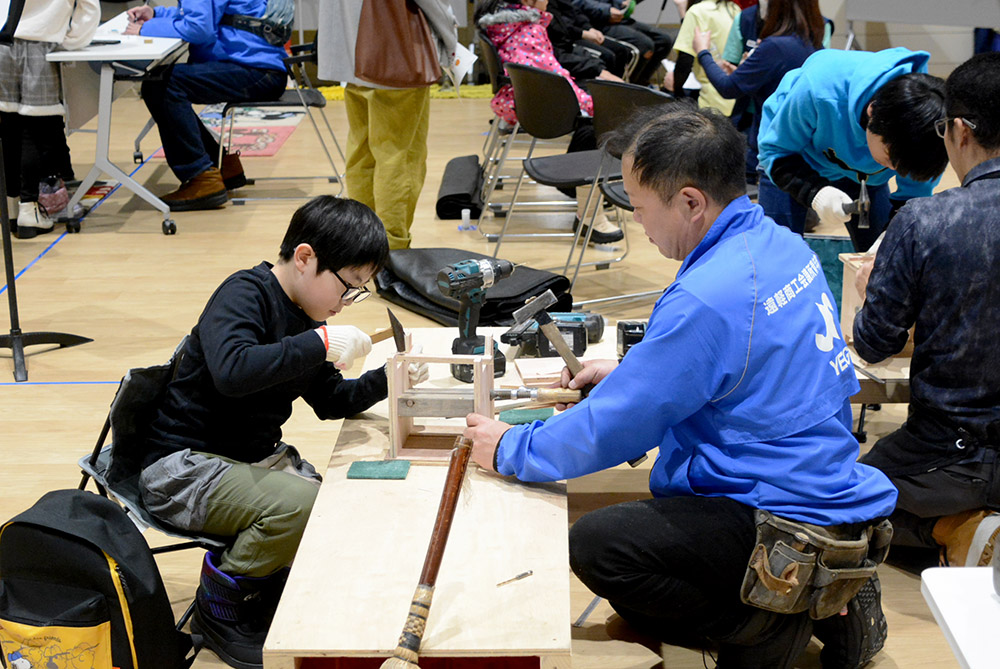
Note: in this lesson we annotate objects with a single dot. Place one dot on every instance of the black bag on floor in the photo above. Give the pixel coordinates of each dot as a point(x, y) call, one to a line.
point(79, 587)
point(410, 280)
point(460, 188)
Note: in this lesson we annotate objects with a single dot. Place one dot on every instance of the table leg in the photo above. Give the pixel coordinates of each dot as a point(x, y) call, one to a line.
point(102, 162)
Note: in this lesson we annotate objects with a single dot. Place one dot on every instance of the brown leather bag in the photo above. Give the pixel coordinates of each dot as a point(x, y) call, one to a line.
point(395, 46)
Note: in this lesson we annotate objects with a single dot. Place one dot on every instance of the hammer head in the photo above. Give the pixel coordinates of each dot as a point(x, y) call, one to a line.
point(535, 307)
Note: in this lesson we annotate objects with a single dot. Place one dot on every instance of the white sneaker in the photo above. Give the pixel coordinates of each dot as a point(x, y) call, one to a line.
point(32, 221)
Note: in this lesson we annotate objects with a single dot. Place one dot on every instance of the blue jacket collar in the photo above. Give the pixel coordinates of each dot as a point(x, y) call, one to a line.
point(739, 215)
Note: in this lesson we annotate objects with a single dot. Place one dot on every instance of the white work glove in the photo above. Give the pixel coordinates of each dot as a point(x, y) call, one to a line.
point(418, 371)
point(829, 203)
point(344, 344)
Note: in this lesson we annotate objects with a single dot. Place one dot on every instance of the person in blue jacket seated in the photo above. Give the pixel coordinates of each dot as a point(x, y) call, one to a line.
point(845, 117)
point(743, 383)
point(230, 61)
point(792, 31)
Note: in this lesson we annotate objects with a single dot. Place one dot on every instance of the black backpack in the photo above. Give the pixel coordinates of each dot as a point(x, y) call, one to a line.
point(79, 587)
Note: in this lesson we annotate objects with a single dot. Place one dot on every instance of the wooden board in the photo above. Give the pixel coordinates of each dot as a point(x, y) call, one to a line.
point(360, 559)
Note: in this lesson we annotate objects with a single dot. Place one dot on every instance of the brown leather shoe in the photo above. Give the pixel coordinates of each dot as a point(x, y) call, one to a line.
point(205, 191)
point(232, 171)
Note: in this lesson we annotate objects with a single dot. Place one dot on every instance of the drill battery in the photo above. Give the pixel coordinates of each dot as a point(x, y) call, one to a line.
point(577, 330)
point(630, 333)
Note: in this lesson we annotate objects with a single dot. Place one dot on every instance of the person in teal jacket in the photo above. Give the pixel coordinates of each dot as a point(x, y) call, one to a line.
point(228, 63)
point(845, 117)
point(743, 384)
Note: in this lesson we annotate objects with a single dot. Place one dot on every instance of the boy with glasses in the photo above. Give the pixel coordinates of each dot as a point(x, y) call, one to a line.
point(936, 270)
point(216, 463)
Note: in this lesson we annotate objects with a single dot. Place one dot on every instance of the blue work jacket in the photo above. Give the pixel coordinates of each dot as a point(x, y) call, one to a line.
point(742, 382)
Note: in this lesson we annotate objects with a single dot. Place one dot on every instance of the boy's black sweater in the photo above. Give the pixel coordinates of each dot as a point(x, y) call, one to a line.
point(251, 354)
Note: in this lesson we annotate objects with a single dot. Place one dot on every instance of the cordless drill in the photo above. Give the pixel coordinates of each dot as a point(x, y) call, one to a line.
point(467, 282)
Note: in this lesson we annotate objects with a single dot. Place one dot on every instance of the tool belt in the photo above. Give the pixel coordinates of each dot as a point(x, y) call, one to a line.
point(797, 566)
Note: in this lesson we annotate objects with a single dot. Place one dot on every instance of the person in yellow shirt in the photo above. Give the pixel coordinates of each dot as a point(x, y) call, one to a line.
point(715, 16)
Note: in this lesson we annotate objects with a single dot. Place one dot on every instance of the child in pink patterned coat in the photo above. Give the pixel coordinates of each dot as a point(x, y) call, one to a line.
point(517, 29)
point(518, 32)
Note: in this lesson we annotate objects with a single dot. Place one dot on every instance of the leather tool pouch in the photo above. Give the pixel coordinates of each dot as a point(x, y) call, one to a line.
point(799, 567)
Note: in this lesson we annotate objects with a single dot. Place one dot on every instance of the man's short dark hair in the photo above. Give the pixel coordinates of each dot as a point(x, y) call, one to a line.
point(903, 114)
point(342, 232)
point(685, 146)
point(972, 91)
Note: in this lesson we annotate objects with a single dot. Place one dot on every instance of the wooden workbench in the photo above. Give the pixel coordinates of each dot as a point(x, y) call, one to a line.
point(359, 561)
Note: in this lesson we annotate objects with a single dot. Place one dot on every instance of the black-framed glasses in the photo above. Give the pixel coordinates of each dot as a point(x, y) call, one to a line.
point(356, 293)
point(941, 124)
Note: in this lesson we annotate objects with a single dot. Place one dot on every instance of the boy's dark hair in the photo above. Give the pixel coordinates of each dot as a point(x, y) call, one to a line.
point(342, 232)
point(685, 146)
point(903, 114)
point(972, 92)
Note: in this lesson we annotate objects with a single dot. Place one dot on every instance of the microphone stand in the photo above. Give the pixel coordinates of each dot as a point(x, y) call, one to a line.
point(17, 340)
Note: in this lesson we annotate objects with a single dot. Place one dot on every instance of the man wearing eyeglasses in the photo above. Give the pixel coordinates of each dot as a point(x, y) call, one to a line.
point(847, 118)
point(936, 270)
point(215, 460)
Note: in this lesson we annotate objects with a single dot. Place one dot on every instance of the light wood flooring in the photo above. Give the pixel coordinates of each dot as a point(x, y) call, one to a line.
point(136, 292)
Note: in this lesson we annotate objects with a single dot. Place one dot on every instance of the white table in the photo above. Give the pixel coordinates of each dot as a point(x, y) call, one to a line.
point(360, 557)
point(136, 55)
point(967, 609)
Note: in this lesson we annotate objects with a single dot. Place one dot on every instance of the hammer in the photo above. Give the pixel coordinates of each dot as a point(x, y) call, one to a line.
point(535, 308)
point(861, 206)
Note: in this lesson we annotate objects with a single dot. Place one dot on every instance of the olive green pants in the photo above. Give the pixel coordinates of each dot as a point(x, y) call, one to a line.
point(266, 511)
point(387, 153)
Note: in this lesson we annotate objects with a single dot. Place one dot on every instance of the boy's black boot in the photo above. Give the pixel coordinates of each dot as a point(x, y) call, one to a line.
point(852, 640)
point(233, 613)
point(765, 640)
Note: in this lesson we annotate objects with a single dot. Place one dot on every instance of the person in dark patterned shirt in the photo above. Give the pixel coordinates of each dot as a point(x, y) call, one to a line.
point(936, 270)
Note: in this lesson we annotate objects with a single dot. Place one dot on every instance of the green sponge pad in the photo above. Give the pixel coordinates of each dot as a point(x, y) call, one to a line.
point(381, 469)
point(519, 416)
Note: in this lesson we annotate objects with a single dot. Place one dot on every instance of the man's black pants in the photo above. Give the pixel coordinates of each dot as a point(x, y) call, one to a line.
point(671, 567)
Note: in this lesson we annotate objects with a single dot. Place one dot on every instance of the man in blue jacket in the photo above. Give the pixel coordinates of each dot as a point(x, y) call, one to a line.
point(230, 61)
point(845, 117)
point(743, 383)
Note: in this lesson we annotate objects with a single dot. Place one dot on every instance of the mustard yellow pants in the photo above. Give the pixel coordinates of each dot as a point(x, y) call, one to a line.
point(387, 154)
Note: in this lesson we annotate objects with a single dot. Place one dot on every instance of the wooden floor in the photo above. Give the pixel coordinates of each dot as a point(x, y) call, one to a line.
point(136, 292)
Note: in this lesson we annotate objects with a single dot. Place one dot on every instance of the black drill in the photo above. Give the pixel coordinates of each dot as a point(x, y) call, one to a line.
point(467, 282)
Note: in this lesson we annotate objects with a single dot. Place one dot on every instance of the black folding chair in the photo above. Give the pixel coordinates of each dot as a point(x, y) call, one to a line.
point(115, 467)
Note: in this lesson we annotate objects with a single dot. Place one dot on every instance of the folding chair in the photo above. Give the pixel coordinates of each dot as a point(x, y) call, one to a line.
point(614, 104)
point(115, 467)
point(500, 139)
point(303, 94)
point(546, 108)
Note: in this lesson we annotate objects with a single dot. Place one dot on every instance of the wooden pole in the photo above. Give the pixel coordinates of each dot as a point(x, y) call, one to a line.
point(407, 650)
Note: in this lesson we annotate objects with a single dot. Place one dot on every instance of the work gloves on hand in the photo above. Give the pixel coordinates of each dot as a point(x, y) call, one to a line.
point(418, 371)
point(344, 344)
point(830, 203)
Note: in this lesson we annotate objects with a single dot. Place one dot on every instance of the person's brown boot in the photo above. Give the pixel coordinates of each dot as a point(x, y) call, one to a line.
point(205, 191)
point(232, 171)
point(968, 538)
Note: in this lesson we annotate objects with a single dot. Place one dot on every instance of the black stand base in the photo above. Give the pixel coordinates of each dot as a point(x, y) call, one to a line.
point(16, 341)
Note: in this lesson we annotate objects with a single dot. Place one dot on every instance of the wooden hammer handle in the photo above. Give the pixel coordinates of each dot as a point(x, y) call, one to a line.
point(551, 330)
point(407, 650)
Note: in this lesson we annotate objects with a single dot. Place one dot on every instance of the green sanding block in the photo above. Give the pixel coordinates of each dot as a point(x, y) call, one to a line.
point(380, 469)
point(520, 416)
